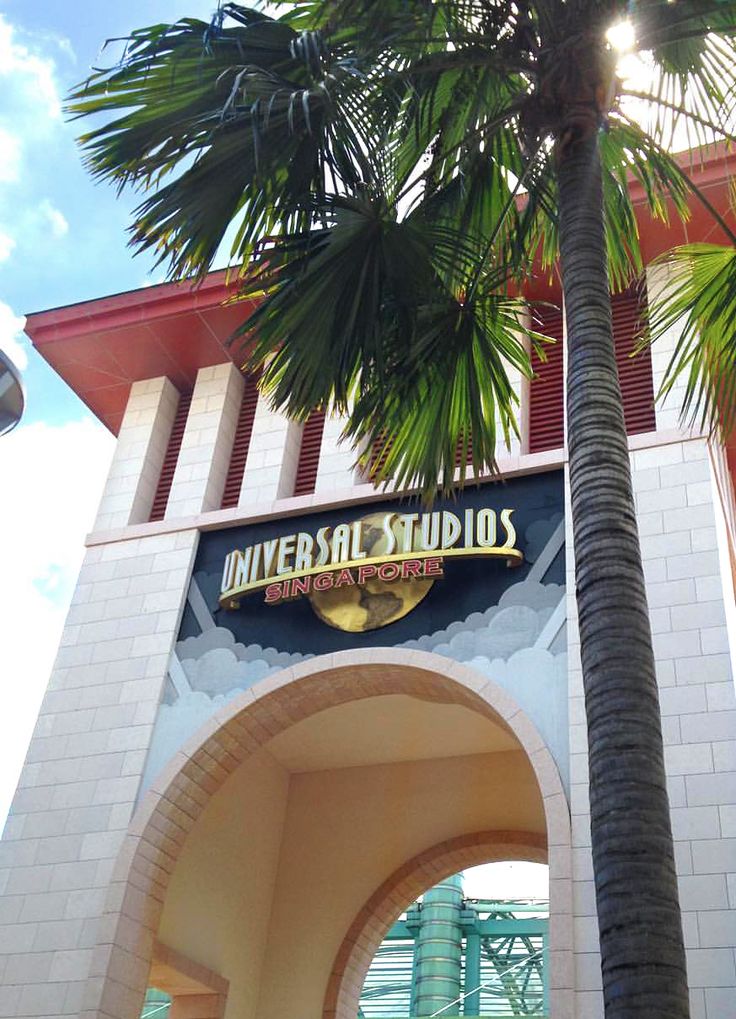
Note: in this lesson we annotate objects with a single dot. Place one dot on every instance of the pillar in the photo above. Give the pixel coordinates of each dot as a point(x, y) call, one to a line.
point(667, 411)
point(439, 948)
point(205, 451)
point(336, 460)
point(273, 454)
point(136, 464)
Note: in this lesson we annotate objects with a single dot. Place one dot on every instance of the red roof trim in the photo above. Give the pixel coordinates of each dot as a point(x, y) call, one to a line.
point(128, 308)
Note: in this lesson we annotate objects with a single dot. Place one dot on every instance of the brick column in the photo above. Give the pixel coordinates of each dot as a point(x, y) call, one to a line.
point(667, 411)
point(273, 454)
point(673, 491)
point(82, 773)
point(336, 459)
point(139, 454)
point(204, 456)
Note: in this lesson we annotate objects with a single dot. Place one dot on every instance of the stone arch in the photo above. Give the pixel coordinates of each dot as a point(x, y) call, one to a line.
point(403, 887)
point(181, 791)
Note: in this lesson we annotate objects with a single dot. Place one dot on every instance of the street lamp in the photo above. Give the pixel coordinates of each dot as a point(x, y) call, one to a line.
point(12, 397)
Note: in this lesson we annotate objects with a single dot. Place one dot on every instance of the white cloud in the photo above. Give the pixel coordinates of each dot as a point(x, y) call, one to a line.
point(10, 153)
point(26, 70)
point(54, 219)
point(7, 243)
point(51, 480)
point(11, 335)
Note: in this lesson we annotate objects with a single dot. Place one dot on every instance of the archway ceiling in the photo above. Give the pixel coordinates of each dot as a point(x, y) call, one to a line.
point(380, 730)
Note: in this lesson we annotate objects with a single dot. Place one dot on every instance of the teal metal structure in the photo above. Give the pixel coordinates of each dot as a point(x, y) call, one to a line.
point(448, 957)
point(437, 967)
point(156, 1005)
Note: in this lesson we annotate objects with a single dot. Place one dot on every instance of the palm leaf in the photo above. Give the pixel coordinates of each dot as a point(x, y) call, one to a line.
point(245, 122)
point(453, 399)
point(698, 303)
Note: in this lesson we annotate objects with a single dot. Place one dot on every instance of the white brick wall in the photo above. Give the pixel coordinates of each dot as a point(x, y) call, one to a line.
point(204, 456)
point(336, 459)
point(136, 465)
point(685, 592)
point(77, 789)
point(668, 410)
point(273, 454)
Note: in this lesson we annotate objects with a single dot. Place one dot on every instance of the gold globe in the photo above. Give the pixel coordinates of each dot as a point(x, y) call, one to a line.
point(375, 603)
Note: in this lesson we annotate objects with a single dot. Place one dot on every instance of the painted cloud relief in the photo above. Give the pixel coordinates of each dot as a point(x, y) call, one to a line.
point(518, 642)
point(215, 664)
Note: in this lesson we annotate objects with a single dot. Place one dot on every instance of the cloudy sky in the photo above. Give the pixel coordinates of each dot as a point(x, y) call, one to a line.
point(62, 239)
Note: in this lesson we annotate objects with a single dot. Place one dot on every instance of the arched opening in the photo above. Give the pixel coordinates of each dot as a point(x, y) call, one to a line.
point(278, 848)
point(474, 944)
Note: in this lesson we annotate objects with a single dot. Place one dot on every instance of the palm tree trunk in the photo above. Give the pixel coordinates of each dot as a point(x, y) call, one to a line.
point(642, 953)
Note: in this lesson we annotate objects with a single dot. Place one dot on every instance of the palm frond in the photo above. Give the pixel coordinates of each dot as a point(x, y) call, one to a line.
point(453, 402)
point(374, 316)
point(246, 122)
point(697, 302)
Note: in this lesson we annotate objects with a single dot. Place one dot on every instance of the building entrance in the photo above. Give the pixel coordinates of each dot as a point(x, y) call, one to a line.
point(307, 833)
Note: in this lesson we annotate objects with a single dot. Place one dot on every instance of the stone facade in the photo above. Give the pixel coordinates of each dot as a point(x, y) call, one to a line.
point(74, 939)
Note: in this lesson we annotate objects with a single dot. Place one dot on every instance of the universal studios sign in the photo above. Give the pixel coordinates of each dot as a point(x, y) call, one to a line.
point(386, 547)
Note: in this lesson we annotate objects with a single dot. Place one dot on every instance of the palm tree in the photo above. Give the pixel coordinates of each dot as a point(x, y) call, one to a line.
point(391, 173)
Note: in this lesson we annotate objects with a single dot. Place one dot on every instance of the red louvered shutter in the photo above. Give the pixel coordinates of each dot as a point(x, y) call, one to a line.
point(379, 452)
point(634, 373)
point(468, 454)
point(241, 443)
point(306, 471)
point(168, 467)
point(546, 390)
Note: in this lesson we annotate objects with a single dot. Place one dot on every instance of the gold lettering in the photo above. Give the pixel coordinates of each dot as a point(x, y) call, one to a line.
point(407, 521)
point(389, 533)
point(485, 523)
point(356, 545)
point(322, 545)
point(450, 529)
point(244, 573)
point(255, 564)
point(269, 554)
point(469, 514)
point(341, 544)
point(304, 549)
point(430, 537)
point(233, 562)
point(509, 528)
point(286, 549)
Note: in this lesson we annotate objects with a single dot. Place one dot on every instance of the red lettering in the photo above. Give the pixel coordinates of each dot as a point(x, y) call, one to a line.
point(411, 568)
point(273, 594)
point(364, 572)
point(323, 581)
point(300, 585)
point(389, 571)
point(433, 568)
point(344, 577)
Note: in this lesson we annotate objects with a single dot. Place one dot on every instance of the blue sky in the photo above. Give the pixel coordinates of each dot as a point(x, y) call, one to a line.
point(67, 235)
point(62, 239)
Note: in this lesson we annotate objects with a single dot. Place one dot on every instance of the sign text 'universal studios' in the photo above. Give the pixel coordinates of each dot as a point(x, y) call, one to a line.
point(407, 546)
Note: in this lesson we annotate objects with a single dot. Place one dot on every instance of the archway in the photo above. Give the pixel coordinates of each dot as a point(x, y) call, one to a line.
point(405, 885)
point(183, 791)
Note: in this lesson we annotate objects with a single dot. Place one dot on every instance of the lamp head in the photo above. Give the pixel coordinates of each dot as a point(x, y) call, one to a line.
point(12, 396)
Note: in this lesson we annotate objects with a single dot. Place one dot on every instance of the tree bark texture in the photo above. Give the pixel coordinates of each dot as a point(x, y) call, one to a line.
point(642, 953)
